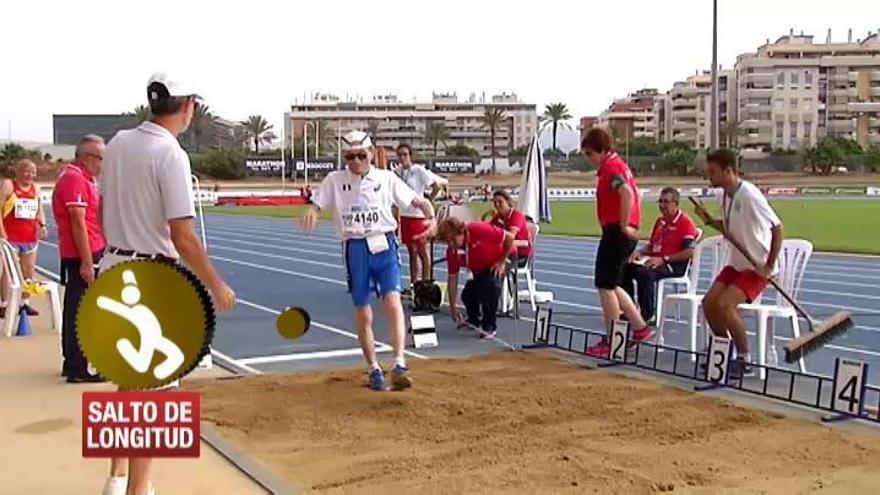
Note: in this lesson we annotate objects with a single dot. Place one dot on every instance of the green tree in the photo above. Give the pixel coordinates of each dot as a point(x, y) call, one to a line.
point(833, 151)
point(141, 112)
point(644, 146)
point(436, 133)
point(462, 151)
point(492, 120)
point(677, 161)
point(219, 164)
point(256, 128)
point(202, 124)
point(871, 158)
point(13, 152)
point(555, 114)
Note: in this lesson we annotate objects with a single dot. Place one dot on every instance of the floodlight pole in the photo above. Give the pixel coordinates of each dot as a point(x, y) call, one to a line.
point(713, 125)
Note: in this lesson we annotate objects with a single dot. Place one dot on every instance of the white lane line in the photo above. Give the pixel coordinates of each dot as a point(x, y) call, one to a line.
point(440, 269)
point(813, 276)
point(306, 356)
point(329, 328)
point(236, 362)
point(214, 352)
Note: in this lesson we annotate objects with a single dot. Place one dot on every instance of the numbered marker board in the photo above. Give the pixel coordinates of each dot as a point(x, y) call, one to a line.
point(618, 341)
point(719, 360)
point(850, 378)
point(542, 324)
point(423, 332)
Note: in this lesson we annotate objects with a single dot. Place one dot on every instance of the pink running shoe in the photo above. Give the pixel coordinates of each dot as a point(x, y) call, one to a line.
point(642, 335)
point(599, 350)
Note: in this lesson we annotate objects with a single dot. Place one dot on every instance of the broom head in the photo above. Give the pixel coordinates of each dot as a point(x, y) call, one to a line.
point(823, 332)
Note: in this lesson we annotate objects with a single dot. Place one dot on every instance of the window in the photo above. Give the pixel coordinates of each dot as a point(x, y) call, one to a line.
point(780, 127)
point(808, 129)
point(780, 78)
point(808, 78)
point(793, 103)
point(778, 104)
point(808, 103)
point(795, 78)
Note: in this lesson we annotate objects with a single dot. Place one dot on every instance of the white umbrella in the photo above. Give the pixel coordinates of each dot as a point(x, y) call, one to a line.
point(534, 201)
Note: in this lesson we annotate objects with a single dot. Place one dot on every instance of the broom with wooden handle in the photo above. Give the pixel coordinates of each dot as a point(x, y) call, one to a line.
point(820, 332)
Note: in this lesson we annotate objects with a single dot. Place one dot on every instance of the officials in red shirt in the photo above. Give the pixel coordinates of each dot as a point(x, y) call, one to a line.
point(667, 253)
point(485, 249)
point(76, 207)
point(618, 206)
point(512, 220)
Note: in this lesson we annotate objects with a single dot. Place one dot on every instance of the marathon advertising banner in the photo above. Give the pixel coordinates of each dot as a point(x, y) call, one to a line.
point(873, 191)
point(453, 166)
point(850, 191)
point(263, 164)
point(782, 191)
point(816, 191)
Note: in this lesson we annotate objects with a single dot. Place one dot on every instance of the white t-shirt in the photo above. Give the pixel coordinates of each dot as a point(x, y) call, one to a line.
point(363, 205)
point(146, 181)
point(749, 218)
point(419, 179)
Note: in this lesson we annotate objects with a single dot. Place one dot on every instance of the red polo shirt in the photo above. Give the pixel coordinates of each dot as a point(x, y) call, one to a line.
point(671, 236)
point(76, 187)
point(484, 243)
point(614, 174)
point(516, 219)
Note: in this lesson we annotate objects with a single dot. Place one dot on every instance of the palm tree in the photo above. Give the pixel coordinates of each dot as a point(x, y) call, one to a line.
point(373, 130)
point(256, 127)
point(202, 123)
point(436, 133)
point(556, 114)
point(730, 133)
point(492, 120)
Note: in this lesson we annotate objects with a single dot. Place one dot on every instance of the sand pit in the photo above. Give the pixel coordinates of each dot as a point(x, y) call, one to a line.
point(527, 423)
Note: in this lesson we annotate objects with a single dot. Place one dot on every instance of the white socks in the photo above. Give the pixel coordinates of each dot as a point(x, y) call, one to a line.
point(400, 361)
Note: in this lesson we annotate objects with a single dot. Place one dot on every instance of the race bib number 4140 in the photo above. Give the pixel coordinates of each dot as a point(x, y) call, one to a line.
point(360, 220)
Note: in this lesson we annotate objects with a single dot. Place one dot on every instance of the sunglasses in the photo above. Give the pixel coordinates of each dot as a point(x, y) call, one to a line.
point(351, 156)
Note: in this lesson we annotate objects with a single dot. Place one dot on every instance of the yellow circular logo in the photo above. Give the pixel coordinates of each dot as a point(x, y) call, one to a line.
point(144, 324)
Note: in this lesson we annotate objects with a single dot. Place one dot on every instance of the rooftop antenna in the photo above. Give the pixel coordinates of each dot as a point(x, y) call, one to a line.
point(849, 36)
point(828, 38)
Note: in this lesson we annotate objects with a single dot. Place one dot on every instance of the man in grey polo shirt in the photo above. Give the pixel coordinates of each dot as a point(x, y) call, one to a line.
point(148, 211)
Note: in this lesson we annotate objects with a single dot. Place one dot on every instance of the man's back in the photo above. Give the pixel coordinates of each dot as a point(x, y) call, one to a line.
point(146, 181)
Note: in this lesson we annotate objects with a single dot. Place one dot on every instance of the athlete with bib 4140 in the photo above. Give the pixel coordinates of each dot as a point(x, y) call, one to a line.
point(362, 196)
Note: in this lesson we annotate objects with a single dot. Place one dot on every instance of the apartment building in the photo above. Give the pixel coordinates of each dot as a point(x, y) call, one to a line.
point(633, 116)
point(586, 124)
point(392, 121)
point(793, 92)
point(684, 112)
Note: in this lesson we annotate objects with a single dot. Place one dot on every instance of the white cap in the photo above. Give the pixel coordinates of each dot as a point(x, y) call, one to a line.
point(173, 87)
point(356, 140)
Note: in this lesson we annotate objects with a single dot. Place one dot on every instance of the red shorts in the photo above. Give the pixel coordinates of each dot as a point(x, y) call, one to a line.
point(411, 227)
point(748, 281)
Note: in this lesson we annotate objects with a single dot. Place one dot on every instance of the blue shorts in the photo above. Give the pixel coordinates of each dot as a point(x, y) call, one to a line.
point(25, 247)
point(366, 271)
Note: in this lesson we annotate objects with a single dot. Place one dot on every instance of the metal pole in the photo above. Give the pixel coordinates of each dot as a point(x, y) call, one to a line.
point(713, 126)
point(306, 150)
point(283, 144)
point(338, 144)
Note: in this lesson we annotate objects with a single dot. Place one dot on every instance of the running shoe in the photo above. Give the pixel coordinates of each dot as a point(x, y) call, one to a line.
point(740, 368)
point(487, 333)
point(115, 485)
point(377, 380)
point(400, 378)
point(600, 350)
point(642, 335)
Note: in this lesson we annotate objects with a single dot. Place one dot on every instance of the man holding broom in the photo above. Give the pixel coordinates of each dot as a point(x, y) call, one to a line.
point(748, 218)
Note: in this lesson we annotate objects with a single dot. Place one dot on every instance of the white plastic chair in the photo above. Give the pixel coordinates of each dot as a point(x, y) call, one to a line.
point(793, 259)
point(12, 266)
point(676, 283)
point(720, 251)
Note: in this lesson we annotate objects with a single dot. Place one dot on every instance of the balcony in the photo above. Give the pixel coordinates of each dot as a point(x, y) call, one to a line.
point(864, 107)
point(682, 125)
point(841, 125)
point(684, 114)
point(678, 103)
